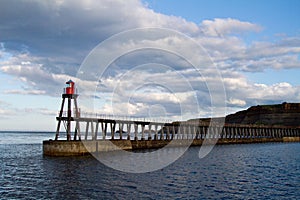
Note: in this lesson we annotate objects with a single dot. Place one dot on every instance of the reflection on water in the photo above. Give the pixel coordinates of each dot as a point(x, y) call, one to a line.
point(253, 171)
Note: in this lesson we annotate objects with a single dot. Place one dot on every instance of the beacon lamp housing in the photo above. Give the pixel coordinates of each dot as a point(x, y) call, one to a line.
point(70, 87)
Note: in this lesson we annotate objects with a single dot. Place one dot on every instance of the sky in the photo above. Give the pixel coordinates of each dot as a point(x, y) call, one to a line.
point(155, 59)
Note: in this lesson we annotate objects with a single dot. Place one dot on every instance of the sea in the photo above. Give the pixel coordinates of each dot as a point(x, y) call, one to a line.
point(240, 171)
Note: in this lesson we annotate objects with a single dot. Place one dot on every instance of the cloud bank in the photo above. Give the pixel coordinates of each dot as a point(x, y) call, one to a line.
point(43, 44)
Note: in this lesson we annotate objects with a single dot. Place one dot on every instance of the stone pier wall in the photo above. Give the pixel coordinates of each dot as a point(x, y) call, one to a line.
point(77, 148)
point(101, 135)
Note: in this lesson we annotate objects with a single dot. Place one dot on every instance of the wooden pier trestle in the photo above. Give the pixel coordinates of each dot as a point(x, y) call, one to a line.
point(110, 129)
point(130, 134)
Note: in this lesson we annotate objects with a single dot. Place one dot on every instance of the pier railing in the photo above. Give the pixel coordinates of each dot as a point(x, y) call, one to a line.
point(93, 115)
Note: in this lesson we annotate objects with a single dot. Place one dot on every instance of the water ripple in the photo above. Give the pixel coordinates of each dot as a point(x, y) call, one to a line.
point(254, 171)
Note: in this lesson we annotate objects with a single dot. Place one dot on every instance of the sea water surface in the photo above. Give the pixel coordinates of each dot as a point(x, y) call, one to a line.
point(249, 171)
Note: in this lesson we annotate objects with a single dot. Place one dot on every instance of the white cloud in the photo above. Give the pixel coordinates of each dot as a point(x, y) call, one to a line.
point(36, 79)
point(279, 91)
point(46, 111)
point(5, 112)
point(236, 102)
point(243, 93)
point(221, 27)
point(25, 92)
point(65, 31)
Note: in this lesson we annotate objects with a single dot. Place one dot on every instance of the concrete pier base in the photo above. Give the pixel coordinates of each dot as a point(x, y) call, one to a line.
point(77, 148)
point(291, 139)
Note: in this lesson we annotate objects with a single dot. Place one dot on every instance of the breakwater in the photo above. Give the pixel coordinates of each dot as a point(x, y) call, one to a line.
point(77, 148)
point(109, 135)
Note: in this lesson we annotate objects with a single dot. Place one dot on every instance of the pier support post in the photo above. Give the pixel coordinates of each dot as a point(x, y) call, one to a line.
point(60, 116)
point(179, 131)
point(250, 132)
point(276, 133)
point(135, 131)
point(168, 132)
point(197, 132)
point(121, 130)
point(162, 132)
point(77, 116)
point(104, 129)
point(86, 130)
point(128, 130)
point(222, 132)
point(230, 129)
point(92, 129)
point(203, 134)
point(219, 132)
point(283, 133)
point(235, 132)
point(112, 128)
point(149, 133)
point(173, 132)
point(184, 131)
point(194, 132)
point(69, 120)
point(77, 131)
point(143, 132)
point(156, 132)
point(188, 131)
point(240, 132)
point(96, 131)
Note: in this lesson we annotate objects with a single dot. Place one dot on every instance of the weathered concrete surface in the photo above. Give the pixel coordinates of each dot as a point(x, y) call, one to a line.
point(71, 148)
point(63, 148)
point(76, 148)
point(291, 139)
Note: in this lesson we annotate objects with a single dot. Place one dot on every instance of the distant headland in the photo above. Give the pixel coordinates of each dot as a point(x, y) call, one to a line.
point(285, 114)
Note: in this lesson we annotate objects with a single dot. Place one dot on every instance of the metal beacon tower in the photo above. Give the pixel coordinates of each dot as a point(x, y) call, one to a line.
point(66, 116)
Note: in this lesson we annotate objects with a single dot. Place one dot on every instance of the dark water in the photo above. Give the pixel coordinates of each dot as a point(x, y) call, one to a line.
point(253, 171)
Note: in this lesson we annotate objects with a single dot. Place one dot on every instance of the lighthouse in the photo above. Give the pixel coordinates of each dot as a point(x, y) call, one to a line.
point(67, 117)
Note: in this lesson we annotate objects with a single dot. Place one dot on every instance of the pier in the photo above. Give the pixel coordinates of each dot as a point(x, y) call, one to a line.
point(102, 133)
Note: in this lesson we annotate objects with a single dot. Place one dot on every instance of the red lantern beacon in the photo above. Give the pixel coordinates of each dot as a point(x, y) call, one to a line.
point(68, 117)
point(70, 87)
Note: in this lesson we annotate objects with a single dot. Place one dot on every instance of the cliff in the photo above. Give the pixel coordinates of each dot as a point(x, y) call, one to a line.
point(285, 114)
